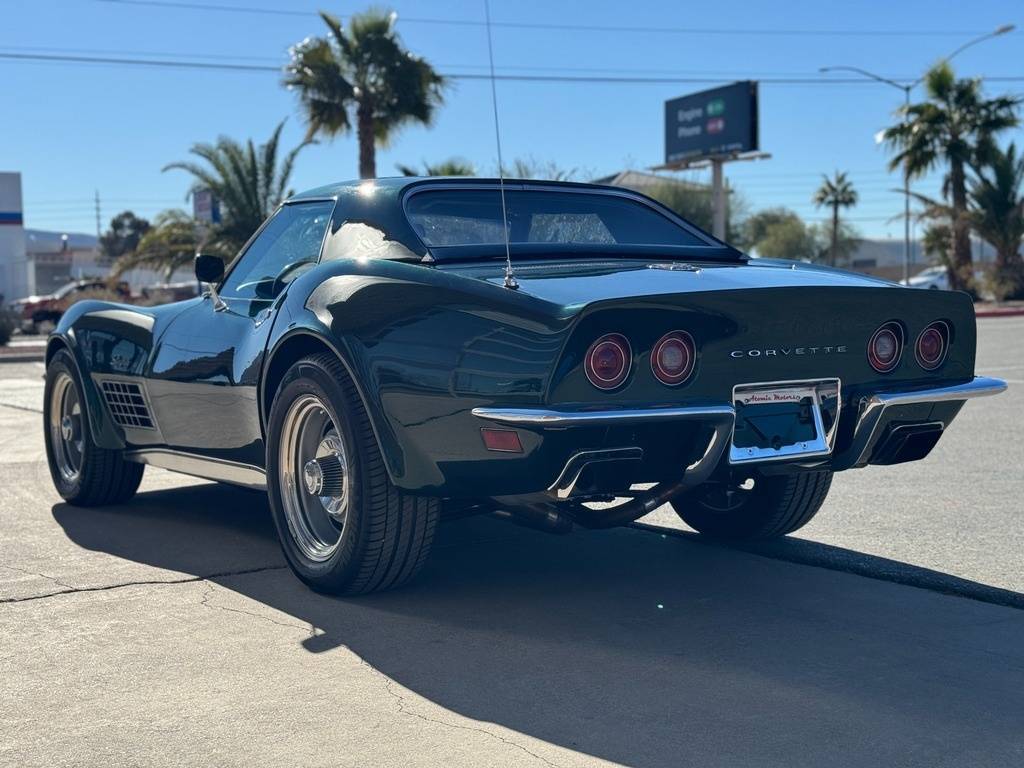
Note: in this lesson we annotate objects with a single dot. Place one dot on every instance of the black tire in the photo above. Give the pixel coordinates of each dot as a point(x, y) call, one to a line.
point(387, 534)
point(103, 476)
point(775, 506)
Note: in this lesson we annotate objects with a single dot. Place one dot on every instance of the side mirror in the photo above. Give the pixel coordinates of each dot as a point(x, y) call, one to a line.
point(209, 268)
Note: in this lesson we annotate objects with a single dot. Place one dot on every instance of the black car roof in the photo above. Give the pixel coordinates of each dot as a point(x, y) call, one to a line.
point(398, 184)
point(379, 202)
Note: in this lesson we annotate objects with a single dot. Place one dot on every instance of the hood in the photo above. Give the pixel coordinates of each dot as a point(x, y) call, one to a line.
point(575, 282)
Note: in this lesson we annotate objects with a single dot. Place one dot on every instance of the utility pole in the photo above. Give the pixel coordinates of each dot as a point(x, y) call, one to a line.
point(906, 194)
point(99, 224)
point(718, 198)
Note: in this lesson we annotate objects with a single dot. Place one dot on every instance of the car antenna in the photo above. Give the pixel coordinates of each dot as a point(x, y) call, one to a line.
point(510, 278)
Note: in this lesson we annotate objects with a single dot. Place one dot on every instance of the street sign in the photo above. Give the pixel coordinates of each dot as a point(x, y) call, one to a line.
point(205, 207)
point(721, 121)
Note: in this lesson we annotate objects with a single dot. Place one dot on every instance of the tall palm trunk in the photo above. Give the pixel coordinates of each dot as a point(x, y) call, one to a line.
point(367, 141)
point(960, 273)
point(835, 234)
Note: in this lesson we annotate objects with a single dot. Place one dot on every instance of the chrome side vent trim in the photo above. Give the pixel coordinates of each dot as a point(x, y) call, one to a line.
point(127, 404)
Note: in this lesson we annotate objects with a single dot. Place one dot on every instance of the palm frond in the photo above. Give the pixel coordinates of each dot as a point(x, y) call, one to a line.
point(364, 65)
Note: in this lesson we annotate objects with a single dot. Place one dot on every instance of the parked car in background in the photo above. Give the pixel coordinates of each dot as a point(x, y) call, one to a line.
point(40, 314)
point(165, 293)
point(934, 278)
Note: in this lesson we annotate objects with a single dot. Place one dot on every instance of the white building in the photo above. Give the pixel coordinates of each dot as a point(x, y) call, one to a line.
point(55, 258)
point(15, 277)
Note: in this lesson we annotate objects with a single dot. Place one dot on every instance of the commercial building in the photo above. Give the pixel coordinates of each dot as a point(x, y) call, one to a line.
point(14, 272)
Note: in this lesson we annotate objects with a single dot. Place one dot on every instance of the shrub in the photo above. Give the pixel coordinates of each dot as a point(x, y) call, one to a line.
point(7, 326)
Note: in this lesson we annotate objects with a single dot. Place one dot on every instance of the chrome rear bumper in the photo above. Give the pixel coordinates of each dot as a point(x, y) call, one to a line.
point(871, 412)
point(873, 409)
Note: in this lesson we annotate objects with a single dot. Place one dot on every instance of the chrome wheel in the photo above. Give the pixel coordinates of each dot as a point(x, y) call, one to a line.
point(67, 433)
point(314, 478)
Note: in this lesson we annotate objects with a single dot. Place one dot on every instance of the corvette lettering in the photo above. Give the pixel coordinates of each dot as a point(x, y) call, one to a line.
point(789, 351)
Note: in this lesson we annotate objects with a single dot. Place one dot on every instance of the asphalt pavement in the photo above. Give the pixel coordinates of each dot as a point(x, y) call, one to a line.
point(169, 631)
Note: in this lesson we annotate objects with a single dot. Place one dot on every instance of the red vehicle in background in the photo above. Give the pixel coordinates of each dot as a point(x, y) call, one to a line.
point(40, 314)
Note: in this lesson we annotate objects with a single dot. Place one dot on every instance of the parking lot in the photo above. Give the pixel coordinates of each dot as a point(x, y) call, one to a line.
point(169, 631)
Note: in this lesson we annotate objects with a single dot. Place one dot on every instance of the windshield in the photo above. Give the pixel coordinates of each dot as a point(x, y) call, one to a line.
point(467, 217)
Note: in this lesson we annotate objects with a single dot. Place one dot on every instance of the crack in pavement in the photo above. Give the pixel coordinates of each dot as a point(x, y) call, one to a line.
point(205, 602)
point(138, 583)
point(21, 407)
point(400, 701)
point(41, 575)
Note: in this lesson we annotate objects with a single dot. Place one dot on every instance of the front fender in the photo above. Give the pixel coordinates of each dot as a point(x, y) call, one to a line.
point(106, 338)
point(110, 339)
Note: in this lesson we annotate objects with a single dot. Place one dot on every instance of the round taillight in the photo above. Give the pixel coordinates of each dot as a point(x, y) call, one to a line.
point(885, 347)
point(608, 360)
point(672, 358)
point(931, 346)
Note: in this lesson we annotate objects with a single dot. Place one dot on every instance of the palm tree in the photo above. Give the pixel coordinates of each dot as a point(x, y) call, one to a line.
point(531, 168)
point(451, 167)
point(997, 215)
point(247, 181)
point(366, 71)
point(937, 242)
point(169, 244)
point(955, 126)
point(836, 192)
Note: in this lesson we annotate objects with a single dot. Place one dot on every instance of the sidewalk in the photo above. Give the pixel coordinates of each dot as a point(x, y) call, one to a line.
point(23, 350)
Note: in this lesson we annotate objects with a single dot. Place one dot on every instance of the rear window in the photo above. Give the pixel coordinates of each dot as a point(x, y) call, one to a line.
point(456, 217)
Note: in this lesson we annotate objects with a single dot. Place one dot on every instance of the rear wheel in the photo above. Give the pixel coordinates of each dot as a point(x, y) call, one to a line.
point(83, 473)
point(763, 507)
point(343, 526)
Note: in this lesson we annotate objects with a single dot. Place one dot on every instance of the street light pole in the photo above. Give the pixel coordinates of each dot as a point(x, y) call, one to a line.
point(907, 88)
point(906, 194)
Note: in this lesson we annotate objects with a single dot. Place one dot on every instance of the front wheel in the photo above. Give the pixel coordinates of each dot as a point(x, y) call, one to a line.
point(344, 527)
point(762, 507)
point(84, 474)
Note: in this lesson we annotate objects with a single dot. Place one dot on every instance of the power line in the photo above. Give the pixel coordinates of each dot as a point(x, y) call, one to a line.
point(606, 80)
point(177, 64)
point(129, 52)
point(617, 29)
point(281, 61)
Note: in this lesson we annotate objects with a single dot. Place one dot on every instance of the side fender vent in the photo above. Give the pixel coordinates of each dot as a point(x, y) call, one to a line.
point(127, 404)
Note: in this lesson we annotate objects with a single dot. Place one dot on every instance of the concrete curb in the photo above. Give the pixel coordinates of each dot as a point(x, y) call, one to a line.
point(1010, 312)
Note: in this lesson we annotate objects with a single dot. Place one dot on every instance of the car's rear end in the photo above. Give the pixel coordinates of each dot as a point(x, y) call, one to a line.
point(813, 374)
point(688, 365)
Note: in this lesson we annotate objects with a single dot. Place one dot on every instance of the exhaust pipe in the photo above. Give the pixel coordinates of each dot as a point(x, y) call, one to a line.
point(629, 511)
point(541, 516)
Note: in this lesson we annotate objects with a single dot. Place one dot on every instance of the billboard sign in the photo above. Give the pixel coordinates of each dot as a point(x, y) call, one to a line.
point(721, 121)
point(205, 207)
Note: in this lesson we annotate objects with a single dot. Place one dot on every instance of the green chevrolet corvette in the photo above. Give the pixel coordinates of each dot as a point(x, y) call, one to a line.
point(385, 353)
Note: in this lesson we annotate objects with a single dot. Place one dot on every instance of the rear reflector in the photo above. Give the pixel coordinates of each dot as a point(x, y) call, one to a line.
point(506, 440)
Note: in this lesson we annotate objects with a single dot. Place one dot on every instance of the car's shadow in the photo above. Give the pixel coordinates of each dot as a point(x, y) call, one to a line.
point(631, 646)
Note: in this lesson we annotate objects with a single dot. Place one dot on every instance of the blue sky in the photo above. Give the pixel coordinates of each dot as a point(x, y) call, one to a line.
point(73, 129)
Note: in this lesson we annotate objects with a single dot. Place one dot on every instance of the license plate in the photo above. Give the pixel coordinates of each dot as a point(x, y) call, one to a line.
point(784, 420)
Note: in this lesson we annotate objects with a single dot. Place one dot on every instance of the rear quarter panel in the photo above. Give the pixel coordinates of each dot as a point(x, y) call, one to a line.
point(425, 348)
